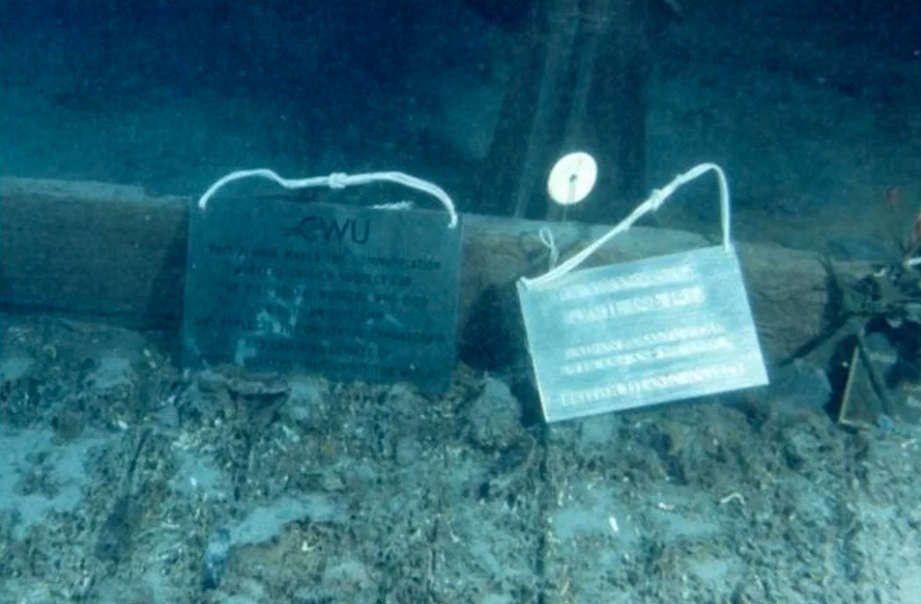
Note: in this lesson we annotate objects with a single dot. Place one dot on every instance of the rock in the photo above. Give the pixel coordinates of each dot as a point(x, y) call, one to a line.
point(495, 416)
point(14, 368)
point(111, 373)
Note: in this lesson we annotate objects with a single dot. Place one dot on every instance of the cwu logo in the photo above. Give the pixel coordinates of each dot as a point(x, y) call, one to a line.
point(321, 229)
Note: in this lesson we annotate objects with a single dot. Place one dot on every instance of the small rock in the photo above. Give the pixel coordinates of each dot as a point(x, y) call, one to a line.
point(215, 559)
point(349, 575)
point(15, 368)
point(495, 416)
point(168, 417)
point(111, 373)
point(305, 397)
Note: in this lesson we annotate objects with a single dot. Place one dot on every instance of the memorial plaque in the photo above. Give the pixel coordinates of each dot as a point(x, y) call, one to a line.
point(349, 292)
point(629, 335)
point(897, 394)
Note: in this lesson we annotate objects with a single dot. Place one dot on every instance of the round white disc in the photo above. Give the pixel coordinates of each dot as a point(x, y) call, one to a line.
point(572, 178)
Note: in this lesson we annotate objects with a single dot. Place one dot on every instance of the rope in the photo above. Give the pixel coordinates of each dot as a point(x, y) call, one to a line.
point(338, 180)
point(656, 199)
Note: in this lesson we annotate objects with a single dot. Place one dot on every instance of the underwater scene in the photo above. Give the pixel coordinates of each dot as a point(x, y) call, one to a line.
point(469, 301)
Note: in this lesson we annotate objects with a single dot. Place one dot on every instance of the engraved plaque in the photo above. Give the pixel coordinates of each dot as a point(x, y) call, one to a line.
point(900, 378)
point(629, 335)
point(349, 292)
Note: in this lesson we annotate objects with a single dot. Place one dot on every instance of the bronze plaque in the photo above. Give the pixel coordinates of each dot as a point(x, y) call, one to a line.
point(349, 292)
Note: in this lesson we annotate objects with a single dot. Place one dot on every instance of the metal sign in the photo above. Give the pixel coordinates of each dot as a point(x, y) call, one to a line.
point(630, 335)
point(350, 292)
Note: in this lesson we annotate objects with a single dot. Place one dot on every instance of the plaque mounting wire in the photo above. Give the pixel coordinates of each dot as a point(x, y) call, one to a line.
point(338, 180)
point(656, 199)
